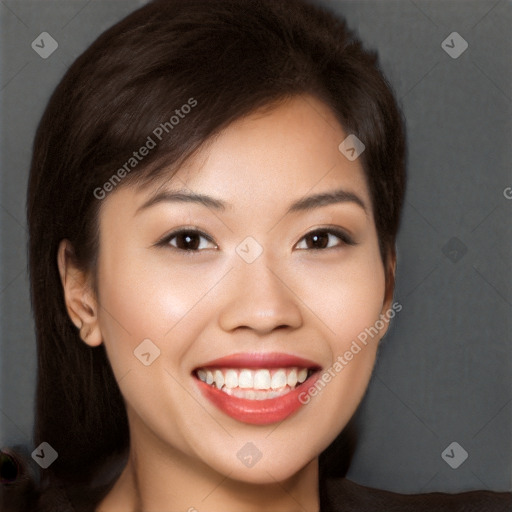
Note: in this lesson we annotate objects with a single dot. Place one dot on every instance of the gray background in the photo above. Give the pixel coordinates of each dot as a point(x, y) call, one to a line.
point(444, 370)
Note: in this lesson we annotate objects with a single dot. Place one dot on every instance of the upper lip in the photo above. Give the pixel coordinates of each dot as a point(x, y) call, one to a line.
point(261, 360)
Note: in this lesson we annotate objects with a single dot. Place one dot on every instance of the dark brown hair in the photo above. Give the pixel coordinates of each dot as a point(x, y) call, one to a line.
point(231, 57)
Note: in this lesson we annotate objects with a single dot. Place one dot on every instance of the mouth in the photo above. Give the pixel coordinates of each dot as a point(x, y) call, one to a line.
point(260, 384)
point(259, 388)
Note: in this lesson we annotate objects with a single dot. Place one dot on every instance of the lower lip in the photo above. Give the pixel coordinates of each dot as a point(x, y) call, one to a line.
point(257, 412)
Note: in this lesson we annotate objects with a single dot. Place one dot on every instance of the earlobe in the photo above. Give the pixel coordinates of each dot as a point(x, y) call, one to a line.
point(390, 270)
point(81, 305)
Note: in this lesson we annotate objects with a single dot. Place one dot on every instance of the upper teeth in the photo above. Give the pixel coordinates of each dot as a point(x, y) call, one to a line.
point(275, 378)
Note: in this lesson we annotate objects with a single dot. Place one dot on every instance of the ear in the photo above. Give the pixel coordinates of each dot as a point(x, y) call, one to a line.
point(389, 270)
point(80, 302)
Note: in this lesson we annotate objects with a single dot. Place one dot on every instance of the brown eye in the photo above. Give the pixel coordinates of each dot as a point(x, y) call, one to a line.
point(189, 240)
point(317, 240)
point(324, 239)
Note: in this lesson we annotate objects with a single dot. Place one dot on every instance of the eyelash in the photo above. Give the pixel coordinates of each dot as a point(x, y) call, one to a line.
point(344, 238)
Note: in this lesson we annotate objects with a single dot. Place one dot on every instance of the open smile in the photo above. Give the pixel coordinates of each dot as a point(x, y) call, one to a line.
point(256, 388)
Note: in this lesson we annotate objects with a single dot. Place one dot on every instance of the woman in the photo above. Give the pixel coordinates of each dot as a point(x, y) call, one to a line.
point(213, 204)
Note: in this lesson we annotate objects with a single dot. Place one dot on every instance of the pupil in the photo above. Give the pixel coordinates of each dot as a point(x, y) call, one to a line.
point(190, 241)
point(319, 240)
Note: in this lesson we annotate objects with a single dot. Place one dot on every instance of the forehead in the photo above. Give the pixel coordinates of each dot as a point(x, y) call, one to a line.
point(281, 153)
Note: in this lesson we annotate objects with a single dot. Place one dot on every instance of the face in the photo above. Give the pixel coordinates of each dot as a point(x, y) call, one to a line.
point(254, 267)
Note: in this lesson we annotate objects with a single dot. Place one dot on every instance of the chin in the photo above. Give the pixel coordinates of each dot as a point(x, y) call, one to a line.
point(263, 474)
point(271, 464)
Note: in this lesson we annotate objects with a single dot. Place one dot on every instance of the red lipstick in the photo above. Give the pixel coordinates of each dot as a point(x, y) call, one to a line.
point(263, 411)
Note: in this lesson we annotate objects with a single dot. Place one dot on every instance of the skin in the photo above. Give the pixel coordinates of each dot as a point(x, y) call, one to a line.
point(201, 305)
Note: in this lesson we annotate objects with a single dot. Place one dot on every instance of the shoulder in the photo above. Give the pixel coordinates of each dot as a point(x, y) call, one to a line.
point(20, 490)
point(342, 494)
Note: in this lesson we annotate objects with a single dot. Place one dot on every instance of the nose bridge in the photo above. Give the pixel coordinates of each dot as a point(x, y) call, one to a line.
point(258, 298)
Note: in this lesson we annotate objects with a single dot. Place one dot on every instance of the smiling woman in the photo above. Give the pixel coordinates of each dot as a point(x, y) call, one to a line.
point(241, 338)
point(208, 323)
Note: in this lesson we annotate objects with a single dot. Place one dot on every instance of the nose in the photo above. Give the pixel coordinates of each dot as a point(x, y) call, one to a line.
point(259, 300)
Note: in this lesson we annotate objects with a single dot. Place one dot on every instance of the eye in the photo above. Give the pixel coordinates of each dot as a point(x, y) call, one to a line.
point(188, 240)
point(324, 239)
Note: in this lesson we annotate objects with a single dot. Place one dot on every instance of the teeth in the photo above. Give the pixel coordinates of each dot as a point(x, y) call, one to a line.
point(218, 377)
point(231, 380)
point(251, 394)
point(259, 384)
point(292, 378)
point(245, 379)
point(278, 379)
point(302, 375)
point(262, 379)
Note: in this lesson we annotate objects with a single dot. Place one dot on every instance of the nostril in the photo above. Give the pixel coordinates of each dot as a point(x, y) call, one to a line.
point(9, 468)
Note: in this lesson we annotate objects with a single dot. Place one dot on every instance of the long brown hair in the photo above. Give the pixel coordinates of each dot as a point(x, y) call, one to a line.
point(231, 57)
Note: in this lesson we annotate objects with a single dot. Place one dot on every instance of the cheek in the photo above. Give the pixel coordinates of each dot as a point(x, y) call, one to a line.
point(348, 301)
point(347, 297)
point(145, 299)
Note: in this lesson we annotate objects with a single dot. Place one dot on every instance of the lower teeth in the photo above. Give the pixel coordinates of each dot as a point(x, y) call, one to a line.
point(256, 394)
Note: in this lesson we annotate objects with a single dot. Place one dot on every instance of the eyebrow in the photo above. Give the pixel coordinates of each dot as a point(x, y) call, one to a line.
point(303, 204)
point(167, 196)
point(326, 198)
